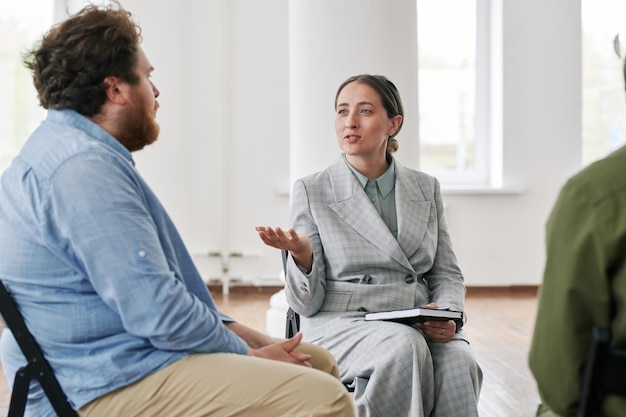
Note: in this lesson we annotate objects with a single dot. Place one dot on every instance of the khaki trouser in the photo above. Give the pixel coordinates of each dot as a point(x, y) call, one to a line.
point(229, 385)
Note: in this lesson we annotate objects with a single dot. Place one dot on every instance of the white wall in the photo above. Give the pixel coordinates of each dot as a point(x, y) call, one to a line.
point(221, 165)
point(499, 238)
point(320, 60)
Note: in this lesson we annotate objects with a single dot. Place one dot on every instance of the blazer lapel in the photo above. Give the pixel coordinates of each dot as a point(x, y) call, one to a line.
point(354, 207)
point(413, 211)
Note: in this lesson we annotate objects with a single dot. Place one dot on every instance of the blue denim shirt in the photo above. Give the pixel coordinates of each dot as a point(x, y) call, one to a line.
point(97, 267)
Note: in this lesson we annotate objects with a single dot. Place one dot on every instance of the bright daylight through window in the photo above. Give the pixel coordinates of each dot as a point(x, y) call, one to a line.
point(21, 24)
point(457, 113)
point(456, 86)
point(603, 95)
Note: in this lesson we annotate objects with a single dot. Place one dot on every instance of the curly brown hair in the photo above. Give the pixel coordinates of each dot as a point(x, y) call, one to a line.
point(71, 61)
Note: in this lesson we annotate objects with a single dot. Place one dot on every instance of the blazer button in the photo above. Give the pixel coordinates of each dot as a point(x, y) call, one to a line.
point(409, 279)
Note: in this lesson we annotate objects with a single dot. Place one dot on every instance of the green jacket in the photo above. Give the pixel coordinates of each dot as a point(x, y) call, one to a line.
point(584, 283)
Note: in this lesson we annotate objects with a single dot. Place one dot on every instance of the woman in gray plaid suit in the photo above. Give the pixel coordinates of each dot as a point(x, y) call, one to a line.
point(368, 234)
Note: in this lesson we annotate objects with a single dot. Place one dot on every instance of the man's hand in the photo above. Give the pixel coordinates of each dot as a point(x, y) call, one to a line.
point(283, 351)
point(253, 338)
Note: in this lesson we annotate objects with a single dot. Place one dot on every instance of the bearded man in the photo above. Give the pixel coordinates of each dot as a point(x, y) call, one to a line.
point(99, 271)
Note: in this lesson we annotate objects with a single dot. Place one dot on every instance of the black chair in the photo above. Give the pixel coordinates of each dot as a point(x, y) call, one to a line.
point(293, 323)
point(293, 318)
point(37, 368)
point(605, 373)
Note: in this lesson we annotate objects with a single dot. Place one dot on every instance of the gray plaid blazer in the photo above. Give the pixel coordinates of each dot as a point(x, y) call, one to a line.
point(358, 265)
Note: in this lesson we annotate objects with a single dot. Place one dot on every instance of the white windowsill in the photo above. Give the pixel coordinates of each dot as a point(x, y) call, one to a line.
point(449, 190)
point(478, 190)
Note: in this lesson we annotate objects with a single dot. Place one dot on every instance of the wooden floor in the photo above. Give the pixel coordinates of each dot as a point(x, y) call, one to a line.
point(499, 326)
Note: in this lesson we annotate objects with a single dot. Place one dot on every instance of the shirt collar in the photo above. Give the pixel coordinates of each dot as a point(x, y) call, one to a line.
point(77, 120)
point(386, 182)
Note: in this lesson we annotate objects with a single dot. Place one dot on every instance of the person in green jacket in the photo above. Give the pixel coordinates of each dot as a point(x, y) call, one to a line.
point(584, 284)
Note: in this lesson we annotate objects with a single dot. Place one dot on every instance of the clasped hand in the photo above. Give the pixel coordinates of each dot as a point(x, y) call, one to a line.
point(283, 351)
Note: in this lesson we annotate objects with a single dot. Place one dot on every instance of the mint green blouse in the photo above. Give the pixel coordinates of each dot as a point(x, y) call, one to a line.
point(381, 192)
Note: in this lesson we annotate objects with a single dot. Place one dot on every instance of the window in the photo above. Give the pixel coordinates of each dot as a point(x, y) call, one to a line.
point(457, 91)
point(22, 23)
point(603, 95)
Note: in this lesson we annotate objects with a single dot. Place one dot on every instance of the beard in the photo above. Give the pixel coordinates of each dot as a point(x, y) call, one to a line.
point(140, 127)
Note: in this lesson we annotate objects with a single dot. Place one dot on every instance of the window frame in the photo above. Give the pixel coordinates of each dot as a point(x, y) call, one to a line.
point(58, 12)
point(488, 170)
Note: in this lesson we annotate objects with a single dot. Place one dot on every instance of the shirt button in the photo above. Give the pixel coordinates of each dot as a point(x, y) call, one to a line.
point(142, 254)
point(409, 279)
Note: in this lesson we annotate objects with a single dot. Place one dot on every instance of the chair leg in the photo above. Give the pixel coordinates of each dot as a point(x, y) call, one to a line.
point(19, 393)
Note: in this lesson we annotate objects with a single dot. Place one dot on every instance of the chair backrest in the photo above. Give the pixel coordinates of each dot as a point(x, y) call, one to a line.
point(293, 323)
point(605, 373)
point(293, 319)
point(37, 368)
